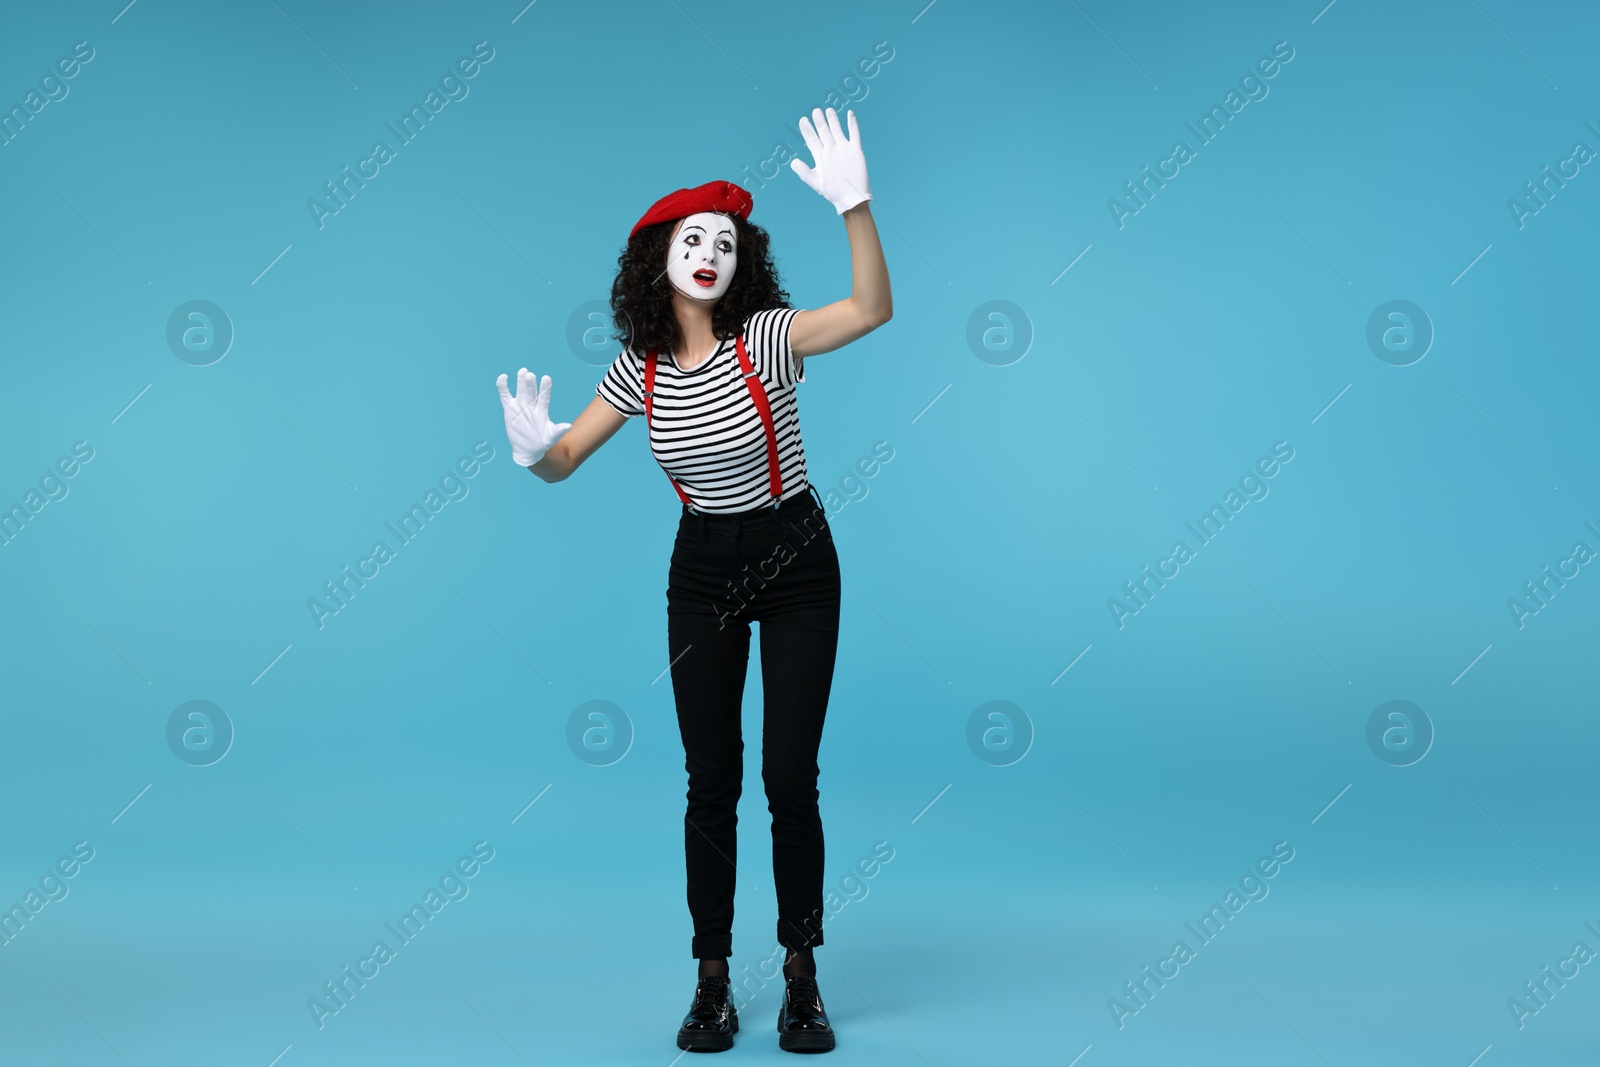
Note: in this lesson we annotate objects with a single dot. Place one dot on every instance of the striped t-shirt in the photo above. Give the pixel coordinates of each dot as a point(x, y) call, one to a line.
point(705, 430)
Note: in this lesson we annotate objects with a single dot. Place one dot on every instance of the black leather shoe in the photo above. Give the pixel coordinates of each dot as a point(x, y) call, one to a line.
point(712, 1021)
point(802, 1024)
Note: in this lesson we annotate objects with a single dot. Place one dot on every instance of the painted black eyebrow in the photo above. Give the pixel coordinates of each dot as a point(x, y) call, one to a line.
point(697, 226)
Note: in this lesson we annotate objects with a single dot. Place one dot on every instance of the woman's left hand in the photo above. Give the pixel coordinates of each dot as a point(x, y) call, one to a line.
point(839, 171)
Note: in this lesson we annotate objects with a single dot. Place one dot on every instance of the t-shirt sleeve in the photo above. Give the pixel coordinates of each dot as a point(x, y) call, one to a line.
point(768, 337)
point(623, 385)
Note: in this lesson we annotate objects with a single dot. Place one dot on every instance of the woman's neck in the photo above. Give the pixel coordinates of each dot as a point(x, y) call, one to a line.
point(694, 327)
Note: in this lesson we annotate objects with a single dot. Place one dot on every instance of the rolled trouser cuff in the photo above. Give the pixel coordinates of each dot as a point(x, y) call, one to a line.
point(712, 946)
point(803, 935)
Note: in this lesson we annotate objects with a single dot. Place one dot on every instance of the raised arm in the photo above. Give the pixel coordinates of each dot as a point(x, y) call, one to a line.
point(839, 174)
point(869, 305)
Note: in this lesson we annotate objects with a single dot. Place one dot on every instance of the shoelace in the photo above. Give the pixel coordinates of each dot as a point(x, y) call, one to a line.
point(709, 988)
point(803, 991)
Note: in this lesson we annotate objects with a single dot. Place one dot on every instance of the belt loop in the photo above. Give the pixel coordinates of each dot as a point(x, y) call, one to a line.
point(702, 526)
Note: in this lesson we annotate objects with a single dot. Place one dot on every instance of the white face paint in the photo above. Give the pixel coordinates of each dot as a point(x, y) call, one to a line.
point(703, 254)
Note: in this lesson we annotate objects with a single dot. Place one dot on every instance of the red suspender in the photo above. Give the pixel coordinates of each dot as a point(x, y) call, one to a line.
point(649, 391)
point(757, 394)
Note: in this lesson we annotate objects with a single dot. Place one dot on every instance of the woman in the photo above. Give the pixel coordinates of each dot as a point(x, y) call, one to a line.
point(712, 352)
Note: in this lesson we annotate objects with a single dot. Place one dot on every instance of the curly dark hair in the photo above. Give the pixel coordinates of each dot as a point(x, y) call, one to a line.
point(641, 293)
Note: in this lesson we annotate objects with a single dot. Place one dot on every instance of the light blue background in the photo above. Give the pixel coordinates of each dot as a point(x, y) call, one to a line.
point(425, 716)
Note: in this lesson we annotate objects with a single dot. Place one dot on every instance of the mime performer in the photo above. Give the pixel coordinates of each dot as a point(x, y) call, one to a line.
point(711, 354)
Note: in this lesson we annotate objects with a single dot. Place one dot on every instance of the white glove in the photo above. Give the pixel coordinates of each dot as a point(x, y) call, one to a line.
point(838, 171)
point(528, 424)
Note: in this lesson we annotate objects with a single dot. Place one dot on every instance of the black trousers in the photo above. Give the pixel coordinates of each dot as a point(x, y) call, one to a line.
point(776, 566)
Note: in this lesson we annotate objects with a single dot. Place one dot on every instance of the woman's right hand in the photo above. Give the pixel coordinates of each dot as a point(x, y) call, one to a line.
point(528, 425)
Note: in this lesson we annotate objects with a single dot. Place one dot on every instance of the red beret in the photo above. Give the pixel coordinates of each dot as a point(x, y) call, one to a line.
point(712, 196)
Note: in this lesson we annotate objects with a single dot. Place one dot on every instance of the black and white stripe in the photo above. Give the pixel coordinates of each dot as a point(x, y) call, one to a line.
point(704, 427)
